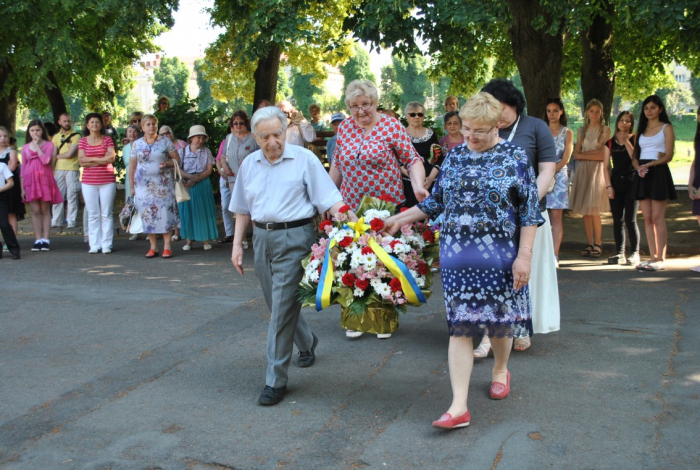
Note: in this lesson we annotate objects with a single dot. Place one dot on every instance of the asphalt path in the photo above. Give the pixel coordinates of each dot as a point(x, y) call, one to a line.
point(120, 362)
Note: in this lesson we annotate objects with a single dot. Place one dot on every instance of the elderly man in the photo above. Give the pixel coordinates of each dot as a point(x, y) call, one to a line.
point(299, 130)
point(281, 187)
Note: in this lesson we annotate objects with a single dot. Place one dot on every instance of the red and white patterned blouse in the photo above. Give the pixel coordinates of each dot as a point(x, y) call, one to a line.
point(370, 165)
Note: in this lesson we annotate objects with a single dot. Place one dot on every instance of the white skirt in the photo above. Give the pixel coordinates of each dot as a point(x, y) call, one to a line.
point(544, 288)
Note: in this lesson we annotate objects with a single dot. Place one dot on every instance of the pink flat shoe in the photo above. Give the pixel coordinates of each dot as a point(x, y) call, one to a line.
point(500, 391)
point(446, 421)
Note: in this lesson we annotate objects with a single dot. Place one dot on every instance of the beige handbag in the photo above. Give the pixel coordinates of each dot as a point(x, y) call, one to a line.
point(182, 194)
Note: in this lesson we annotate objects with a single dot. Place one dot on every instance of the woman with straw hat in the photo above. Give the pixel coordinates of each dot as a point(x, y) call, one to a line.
point(198, 215)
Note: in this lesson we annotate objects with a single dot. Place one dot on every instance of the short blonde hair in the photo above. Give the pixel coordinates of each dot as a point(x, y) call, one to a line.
point(149, 117)
point(413, 105)
point(357, 88)
point(482, 107)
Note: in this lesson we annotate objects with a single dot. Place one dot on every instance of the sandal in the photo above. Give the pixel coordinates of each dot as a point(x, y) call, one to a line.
point(225, 240)
point(482, 351)
point(642, 266)
point(657, 266)
point(587, 251)
point(167, 254)
point(151, 254)
point(521, 344)
point(597, 251)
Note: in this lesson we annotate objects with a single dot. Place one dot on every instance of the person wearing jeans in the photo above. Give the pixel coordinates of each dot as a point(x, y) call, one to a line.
point(96, 156)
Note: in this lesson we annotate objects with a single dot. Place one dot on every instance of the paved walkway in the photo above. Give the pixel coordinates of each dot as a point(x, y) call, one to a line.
point(119, 362)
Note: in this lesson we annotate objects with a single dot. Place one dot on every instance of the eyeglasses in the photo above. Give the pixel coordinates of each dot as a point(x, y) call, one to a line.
point(237, 123)
point(476, 134)
point(166, 133)
point(363, 107)
point(416, 114)
point(136, 121)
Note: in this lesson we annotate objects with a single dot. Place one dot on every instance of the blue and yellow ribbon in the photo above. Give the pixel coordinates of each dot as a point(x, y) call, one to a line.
point(408, 283)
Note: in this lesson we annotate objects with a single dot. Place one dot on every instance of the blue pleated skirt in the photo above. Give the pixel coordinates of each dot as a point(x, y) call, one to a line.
point(198, 215)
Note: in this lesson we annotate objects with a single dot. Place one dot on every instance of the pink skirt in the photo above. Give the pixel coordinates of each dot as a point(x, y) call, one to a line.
point(39, 183)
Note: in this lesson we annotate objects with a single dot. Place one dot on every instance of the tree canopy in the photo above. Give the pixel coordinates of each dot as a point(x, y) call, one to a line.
point(260, 35)
point(49, 48)
point(171, 79)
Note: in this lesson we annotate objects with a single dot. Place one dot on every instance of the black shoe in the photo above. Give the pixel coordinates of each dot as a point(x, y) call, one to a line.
point(307, 358)
point(45, 246)
point(617, 259)
point(272, 396)
point(16, 255)
point(37, 246)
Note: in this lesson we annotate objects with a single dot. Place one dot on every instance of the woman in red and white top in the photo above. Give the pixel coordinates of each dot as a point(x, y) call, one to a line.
point(96, 155)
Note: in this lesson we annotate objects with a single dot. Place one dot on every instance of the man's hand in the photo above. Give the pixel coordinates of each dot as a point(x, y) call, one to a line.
point(237, 258)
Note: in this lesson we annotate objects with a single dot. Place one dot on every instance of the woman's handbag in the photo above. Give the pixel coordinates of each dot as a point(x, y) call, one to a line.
point(182, 194)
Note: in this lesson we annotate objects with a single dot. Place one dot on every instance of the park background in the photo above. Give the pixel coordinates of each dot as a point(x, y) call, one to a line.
point(212, 57)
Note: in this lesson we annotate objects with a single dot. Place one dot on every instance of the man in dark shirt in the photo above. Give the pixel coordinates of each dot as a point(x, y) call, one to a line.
point(110, 130)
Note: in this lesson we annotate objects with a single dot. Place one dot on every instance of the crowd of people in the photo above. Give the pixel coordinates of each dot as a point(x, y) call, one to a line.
point(497, 184)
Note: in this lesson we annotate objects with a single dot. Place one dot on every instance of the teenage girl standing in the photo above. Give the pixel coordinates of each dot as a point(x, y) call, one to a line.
point(39, 188)
point(653, 184)
point(588, 196)
point(558, 196)
point(619, 176)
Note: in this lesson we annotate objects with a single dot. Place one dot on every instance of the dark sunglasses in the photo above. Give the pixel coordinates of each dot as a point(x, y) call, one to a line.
point(416, 114)
point(237, 123)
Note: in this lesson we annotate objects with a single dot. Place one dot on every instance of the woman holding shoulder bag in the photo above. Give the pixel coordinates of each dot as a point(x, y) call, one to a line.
point(618, 185)
point(198, 215)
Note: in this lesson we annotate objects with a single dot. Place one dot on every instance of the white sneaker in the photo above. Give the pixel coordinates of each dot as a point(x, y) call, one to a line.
point(695, 269)
point(206, 247)
point(384, 335)
point(245, 244)
point(187, 247)
point(134, 237)
point(106, 251)
point(93, 251)
point(353, 333)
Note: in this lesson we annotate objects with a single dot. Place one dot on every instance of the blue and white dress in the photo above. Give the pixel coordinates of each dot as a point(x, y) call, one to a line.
point(485, 198)
point(559, 197)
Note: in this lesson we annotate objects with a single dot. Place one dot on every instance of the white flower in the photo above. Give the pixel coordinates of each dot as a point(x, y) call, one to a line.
point(368, 261)
point(311, 276)
point(342, 257)
point(372, 214)
point(355, 259)
point(358, 292)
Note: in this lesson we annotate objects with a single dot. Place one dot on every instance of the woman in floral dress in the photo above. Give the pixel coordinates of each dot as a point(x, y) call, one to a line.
point(488, 195)
point(152, 184)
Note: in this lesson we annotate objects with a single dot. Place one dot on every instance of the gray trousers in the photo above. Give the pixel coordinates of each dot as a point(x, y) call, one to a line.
point(278, 256)
point(68, 182)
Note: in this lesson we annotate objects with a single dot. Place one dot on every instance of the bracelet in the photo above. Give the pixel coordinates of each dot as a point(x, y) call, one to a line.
point(527, 248)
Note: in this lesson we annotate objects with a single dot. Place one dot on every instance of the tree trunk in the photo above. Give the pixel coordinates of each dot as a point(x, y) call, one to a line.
point(598, 66)
point(8, 103)
point(538, 55)
point(55, 96)
point(266, 76)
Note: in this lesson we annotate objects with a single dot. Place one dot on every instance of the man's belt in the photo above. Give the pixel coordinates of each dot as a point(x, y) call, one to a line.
point(282, 225)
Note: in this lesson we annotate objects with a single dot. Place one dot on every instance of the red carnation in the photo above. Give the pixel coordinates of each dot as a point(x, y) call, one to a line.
point(377, 224)
point(344, 209)
point(394, 243)
point(367, 250)
point(422, 268)
point(348, 279)
point(403, 209)
point(345, 242)
point(395, 285)
point(324, 224)
point(362, 284)
point(429, 236)
point(386, 198)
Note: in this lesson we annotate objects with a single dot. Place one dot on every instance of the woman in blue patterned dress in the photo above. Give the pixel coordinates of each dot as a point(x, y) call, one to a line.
point(152, 184)
point(488, 195)
point(558, 197)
